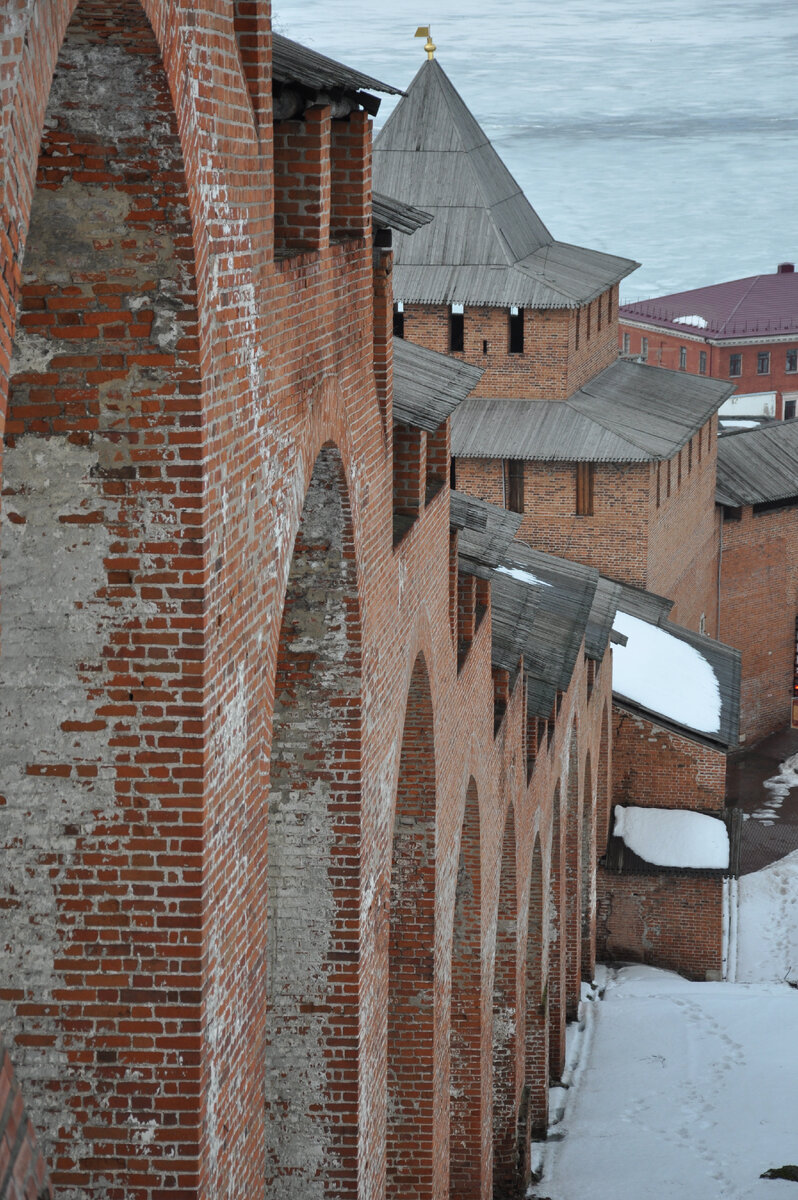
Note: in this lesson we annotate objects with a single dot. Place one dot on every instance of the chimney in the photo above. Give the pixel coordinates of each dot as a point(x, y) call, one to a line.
point(785, 268)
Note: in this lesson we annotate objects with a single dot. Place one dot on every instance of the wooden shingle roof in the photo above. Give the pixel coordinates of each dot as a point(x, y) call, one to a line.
point(293, 63)
point(759, 465)
point(427, 386)
point(486, 244)
point(388, 213)
point(629, 412)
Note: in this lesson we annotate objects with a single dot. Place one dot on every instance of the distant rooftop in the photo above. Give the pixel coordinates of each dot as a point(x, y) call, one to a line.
point(752, 307)
point(486, 244)
point(629, 412)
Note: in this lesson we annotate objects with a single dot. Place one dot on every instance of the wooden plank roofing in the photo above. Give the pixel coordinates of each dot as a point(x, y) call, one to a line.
point(388, 213)
point(487, 529)
point(630, 412)
point(486, 245)
point(297, 64)
point(758, 466)
point(427, 386)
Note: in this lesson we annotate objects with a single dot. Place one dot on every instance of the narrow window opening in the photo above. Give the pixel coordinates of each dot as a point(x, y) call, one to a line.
point(702, 362)
point(609, 305)
point(587, 332)
point(457, 329)
point(516, 330)
point(682, 358)
point(585, 473)
point(399, 320)
point(735, 365)
point(576, 345)
point(484, 345)
point(763, 362)
point(514, 484)
point(598, 317)
point(644, 349)
point(626, 343)
point(659, 465)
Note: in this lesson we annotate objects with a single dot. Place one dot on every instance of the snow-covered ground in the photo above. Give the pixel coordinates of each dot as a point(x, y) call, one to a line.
point(687, 1091)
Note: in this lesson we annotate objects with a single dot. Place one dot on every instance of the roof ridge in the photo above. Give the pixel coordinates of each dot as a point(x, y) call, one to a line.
point(754, 280)
point(622, 437)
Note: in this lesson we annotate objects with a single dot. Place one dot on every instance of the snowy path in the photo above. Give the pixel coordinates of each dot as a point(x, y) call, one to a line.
point(688, 1090)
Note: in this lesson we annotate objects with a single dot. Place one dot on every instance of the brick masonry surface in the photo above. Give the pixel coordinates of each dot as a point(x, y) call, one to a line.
point(244, 735)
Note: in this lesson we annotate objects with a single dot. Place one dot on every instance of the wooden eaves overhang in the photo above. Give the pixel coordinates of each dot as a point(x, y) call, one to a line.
point(302, 78)
point(540, 604)
point(630, 412)
point(428, 386)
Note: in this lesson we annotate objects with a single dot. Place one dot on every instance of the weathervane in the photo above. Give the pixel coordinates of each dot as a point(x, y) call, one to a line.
point(430, 47)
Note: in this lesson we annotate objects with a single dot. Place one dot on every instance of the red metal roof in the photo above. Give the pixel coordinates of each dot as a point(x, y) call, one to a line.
point(752, 307)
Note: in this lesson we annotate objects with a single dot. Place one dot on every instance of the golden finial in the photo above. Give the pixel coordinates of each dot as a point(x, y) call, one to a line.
point(430, 47)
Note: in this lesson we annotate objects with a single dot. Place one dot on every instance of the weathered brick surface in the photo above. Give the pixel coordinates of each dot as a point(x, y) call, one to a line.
point(758, 608)
point(211, 659)
point(556, 360)
point(657, 767)
point(668, 921)
point(23, 1173)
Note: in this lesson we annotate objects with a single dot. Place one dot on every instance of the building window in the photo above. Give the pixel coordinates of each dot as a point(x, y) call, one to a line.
point(792, 361)
point(682, 358)
point(457, 328)
point(644, 349)
point(576, 346)
point(399, 320)
point(789, 410)
point(598, 318)
point(516, 325)
point(763, 362)
point(584, 489)
point(514, 484)
point(484, 345)
point(702, 362)
point(702, 623)
point(626, 343)
point(735, 365)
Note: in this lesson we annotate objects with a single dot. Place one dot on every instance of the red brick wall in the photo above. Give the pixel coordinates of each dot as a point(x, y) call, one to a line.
point(23, 1174)
point(664, 347)
point(199, 604)
point(759, 587)
point(683, 532)
point(656, 767)
point(551, 366)
point(669, 921)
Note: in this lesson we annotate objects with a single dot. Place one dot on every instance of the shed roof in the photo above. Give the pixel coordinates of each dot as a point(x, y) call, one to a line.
point(757, 306)
point(487, 245)
point(629, 412)
point(602, 615)
point(388, 213)
point(294, 63)
point(487, 529)
point(758, 465)
point(427, 386)
point(724, 662)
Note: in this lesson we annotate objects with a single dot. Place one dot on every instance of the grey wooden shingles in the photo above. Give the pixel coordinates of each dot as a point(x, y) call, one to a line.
point(427, 386)
point(294, 63)
point(486, 245)
point(759, 465)
point(630, 412)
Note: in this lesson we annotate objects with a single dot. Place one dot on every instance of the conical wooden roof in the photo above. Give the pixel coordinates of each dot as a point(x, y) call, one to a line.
point(486, 244)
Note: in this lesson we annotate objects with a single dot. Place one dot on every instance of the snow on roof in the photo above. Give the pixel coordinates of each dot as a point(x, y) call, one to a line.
point(672, 838)
point(693, 319)
point(523, 576)
point(665, 675)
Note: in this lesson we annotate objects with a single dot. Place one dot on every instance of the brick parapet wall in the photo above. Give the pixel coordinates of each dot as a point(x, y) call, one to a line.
point(150, 1079)
point(758, 608)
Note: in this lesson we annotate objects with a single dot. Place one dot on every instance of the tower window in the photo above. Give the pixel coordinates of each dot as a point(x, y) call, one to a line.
point(457, 328)
point(514, 484)
point(516, 330)
point(585, 472)
point(399, 320)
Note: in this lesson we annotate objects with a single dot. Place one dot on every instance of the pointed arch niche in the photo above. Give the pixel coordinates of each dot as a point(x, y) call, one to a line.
point(411, 949)
point(588, 883)
point(537, 1011)
point(102, 623)
point(314, 849)
point(556, 936)
point(508, 1066)
point(465, 1071)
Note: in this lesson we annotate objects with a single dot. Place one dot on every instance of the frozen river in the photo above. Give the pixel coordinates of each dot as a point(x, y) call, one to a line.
point(668, 135)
